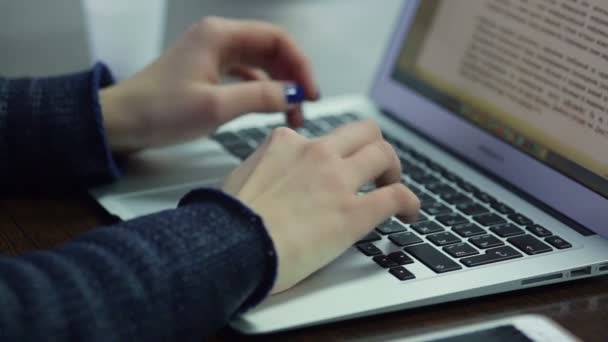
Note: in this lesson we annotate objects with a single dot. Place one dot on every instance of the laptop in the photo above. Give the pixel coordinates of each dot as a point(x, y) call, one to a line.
point(498, 112)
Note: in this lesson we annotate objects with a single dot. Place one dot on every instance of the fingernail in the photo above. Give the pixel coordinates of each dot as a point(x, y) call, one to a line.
point(294, 93)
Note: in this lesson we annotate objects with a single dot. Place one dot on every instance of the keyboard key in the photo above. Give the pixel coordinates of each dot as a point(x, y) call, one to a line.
point(238, 142)
point(416, 190)
point(443, 239)
point(539, 230)
point(402, 273)
point(520, 219)
point(432, 258)
point(558, 242)
point(502, 208)
point(401, 147)
point(419, 157)
point(372, 236)
point(484, 197)
point(489, 219)
point(450, 176)
point(323, 127)
point(400, 258)
point(460, 250)
point(333, 121)
point(390, 227)
point(424, 179)
point(421, 218)
point(467, 187)
point(254, 134)
point(411, 170)
point(227, 138)
point(472, 208)
point(398, 145)
point(404, 239)
point(468, 229)
point(241, 151)
point(486, 241)
point(426, 198)
point(434, 166)
point(272, 127)
point(427, 227)
point(389, 138)
point(456, 198)
point(384, 261)
point(346, 118)
point(304, 132)
point(349, 117)
point(369, 249)
point(441, 189)
point(452, 219)
point(435, 208)
point(314, 128)
point(529, 244)
point(507, 230)
point(405, 163)
point(492, 255)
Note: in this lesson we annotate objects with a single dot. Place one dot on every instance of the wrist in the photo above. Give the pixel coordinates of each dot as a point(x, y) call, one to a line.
point(114, 111)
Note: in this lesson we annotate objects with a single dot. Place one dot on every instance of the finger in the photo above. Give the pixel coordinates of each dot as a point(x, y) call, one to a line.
point(248, 73)
point(233, 100)
point(350, 138)
point(375, 162)
point(382, 203)
point(295, 117)
point(267, 46)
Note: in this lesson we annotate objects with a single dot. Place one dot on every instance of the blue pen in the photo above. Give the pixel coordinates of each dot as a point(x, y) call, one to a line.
point(294, 93)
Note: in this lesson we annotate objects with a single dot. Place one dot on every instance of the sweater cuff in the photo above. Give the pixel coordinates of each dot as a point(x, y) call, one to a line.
point(102, 78)
point(255, 223)
point(57, 123)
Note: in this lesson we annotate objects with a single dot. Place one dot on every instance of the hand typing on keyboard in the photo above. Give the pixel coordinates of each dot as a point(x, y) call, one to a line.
point(307, 192)
point(460, 219)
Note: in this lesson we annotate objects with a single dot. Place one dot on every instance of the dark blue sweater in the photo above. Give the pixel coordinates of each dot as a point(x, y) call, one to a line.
point(179, 274)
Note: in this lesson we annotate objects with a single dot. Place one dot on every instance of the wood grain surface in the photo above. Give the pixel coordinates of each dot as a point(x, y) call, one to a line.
point(38, 222)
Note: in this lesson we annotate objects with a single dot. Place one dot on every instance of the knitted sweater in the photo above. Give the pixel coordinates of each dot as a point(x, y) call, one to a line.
point(179, 274)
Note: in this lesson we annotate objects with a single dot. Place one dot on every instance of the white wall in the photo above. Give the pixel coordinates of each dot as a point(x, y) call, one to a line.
point(344, 38)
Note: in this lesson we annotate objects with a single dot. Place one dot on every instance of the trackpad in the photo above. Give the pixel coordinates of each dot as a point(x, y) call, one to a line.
point(155, 180)
point(132, 205)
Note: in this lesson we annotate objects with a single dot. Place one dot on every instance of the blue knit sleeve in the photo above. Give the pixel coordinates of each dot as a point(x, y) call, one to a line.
point(51, 131)
point(178, 275)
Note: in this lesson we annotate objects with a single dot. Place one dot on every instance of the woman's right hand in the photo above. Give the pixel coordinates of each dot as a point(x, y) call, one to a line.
point(306, 191)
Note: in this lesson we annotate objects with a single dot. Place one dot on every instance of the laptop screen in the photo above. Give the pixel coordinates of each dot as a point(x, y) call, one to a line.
point(533, 73)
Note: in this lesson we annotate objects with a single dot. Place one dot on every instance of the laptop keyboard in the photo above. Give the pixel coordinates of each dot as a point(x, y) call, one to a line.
point(460, 226)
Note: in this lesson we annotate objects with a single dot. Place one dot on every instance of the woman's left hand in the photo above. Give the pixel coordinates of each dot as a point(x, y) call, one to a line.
point(182, 95)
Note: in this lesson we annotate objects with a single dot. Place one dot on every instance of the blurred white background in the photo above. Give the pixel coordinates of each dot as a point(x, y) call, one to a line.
point(344, 38)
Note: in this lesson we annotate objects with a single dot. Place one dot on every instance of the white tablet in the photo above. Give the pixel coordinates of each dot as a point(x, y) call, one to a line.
point(524, 328)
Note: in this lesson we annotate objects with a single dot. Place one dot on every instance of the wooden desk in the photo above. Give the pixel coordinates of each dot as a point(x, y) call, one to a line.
point(28, 222)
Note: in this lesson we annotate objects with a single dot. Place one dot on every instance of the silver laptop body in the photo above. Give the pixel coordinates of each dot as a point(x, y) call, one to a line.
point(453, 139)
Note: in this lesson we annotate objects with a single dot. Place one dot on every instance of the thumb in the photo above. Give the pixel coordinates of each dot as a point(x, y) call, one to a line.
point(263, 96)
